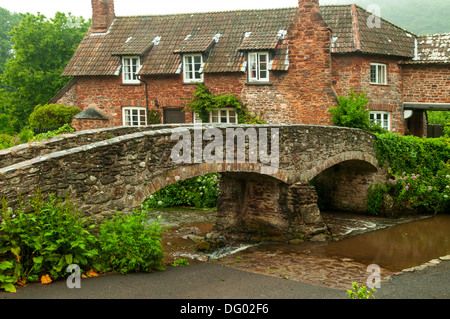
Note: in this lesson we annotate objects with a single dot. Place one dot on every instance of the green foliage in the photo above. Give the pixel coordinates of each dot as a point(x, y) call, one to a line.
point(412, 154)
point(205, 102)
point(375, 196)
point(360, 292)
point(351, 111)
point(52, 235)
point(438, 117)
point(52, 115)
point(180, 262)
point(419, 174)
point(42, 241)
point(8, 21)
point(26, 135)
point(447, 130)
point(42, 49)
point(199, 192)
point(154, 117)
point(65, 129)
point(129, 244)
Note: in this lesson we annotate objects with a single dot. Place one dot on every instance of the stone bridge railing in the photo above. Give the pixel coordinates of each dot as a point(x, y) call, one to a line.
point(28, 151)
point(118, 173)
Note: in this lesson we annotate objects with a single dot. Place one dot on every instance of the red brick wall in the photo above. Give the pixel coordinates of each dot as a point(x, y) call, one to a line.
point(353, 71)
point(426, 83)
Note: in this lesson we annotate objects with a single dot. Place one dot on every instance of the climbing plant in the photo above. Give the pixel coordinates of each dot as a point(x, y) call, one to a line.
point(205, 102)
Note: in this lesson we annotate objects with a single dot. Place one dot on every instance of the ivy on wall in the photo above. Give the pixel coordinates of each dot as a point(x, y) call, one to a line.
point(205, 102)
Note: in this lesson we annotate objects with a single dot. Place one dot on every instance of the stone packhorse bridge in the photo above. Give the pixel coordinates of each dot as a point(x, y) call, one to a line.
point(106, 170)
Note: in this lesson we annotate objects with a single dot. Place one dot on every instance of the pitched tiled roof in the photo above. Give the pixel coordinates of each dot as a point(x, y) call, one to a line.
point(224, 36)
point(354, 30)
point(433, 48)
point(94, 56)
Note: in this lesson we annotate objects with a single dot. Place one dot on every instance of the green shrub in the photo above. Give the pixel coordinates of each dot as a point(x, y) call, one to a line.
point(129, 244)
point(154, 117)
point(199, 192)
point(351, 111)
point(360, 292)
point(419, 174)
point(66, 128)
point(52, 115)
point(6, 125)
point(43, 241)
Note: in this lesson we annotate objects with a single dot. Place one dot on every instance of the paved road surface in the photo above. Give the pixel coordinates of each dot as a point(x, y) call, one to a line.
point(213, 281)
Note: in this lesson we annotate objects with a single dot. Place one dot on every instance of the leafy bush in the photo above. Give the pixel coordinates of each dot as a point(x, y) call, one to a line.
point(412, 154)
point(419, 174)
point(43, 241)
point(66, 128)
point(52, 115)
point(199, 192)
point(360, 292)
point(129, 244)
point(351, 111)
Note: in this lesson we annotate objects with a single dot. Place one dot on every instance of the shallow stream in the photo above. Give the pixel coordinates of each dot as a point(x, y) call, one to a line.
point(360, 240)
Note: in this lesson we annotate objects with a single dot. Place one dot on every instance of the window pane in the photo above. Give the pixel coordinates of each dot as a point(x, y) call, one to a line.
point(215, 117)
point(232, 116)
point(381, 74)
point(253, 66)
point(223, 116)
point(373, 73)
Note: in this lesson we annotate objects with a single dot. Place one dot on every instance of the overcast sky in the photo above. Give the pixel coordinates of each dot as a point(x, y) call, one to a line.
point(141, 7)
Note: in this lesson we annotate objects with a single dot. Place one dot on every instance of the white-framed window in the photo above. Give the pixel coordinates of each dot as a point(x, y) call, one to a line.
point(192, 69)
point(378, 74)
point(131, 67)
point(224, 116)
point(258, 67)
point(134, 116)
point(381, 118)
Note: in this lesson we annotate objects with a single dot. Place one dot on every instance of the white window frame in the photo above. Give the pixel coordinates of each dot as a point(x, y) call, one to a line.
point(379, 118)
point(192, 71)
point(131, 69)
point(256, 67)
point(379, 79)
point(133, 116)
point(220, 116)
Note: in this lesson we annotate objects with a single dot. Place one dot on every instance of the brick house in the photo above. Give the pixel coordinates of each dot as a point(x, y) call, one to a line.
point(288, 65)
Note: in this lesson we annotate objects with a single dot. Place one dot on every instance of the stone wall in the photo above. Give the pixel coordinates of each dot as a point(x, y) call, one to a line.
point(28, 151)
point(352, 71)
point(426, 83)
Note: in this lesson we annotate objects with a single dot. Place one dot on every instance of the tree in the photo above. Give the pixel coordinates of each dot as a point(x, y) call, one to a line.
point(42, 49)
point(351, 111)
point(8, 21)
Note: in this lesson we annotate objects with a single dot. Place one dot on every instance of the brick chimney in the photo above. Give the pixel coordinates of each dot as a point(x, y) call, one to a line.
point(102, 15)
point(309, 39)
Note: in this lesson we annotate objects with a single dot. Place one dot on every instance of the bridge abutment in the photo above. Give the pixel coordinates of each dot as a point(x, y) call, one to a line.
point(257, 207)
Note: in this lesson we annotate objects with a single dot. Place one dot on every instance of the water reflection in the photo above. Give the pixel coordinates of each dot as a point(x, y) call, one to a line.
point(394, 244)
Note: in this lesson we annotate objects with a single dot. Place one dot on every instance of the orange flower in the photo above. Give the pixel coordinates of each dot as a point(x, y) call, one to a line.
point(92, 273)
point(45, 280)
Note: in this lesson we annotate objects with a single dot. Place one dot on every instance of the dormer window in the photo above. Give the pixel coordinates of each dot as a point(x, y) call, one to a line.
point(258, 67)
point(131, 67)
point(192, 69)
